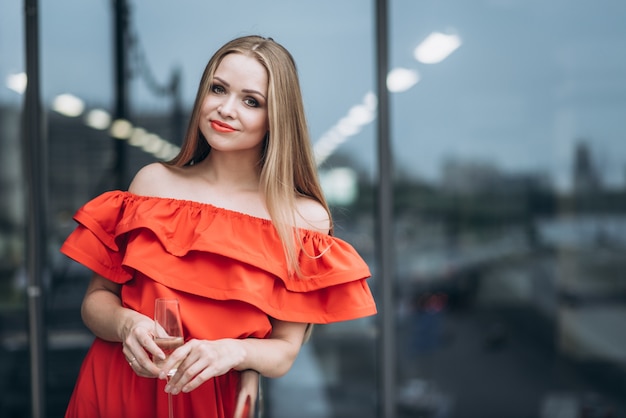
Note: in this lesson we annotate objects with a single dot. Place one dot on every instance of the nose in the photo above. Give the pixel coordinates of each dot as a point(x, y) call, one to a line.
point(226, 109)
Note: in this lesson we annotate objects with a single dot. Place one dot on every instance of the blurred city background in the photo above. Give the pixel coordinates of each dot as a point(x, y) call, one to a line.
point(508, 139)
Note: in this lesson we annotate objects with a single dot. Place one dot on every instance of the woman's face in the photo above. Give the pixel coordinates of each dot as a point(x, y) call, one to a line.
point(233, 116)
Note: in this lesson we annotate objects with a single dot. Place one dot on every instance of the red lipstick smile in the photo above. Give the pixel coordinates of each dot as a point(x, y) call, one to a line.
point(222, 127)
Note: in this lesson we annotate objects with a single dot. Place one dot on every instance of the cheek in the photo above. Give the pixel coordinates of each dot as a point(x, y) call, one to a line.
point(252, 120)
point(210, 103)
point(263, 123)
point(207, 104)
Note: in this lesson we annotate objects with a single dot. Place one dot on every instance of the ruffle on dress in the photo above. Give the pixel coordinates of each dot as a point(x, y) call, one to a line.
point(220, 254)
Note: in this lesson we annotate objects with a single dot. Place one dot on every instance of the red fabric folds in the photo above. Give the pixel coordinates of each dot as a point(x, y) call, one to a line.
point(219, 254)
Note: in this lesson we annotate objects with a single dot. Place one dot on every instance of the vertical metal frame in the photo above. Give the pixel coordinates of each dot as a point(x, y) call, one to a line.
point(384, 224)
point(34, 152)
point(120, 44)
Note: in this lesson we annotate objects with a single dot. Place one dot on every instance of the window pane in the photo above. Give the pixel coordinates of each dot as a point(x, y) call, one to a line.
point(332, 45)
point(13, 280)
point(511, 197)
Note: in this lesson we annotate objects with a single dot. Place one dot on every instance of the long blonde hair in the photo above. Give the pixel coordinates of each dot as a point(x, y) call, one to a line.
point(288, 168)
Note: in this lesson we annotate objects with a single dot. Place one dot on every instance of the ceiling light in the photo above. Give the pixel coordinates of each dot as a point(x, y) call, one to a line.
point(17, 82)
point(68, 105)
point(401, 79)
point(98, 119)
point(436, 47)
point(121, 129)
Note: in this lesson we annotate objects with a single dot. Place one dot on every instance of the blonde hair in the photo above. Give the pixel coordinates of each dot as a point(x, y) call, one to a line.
point(287, 167)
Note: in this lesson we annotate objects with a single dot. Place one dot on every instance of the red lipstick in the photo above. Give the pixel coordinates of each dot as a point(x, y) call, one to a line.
point(222, 127)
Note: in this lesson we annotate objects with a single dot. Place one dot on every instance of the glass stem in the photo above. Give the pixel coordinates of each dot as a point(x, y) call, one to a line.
point(170, 406)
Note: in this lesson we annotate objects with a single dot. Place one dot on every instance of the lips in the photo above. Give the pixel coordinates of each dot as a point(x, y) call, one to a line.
point(221, 127)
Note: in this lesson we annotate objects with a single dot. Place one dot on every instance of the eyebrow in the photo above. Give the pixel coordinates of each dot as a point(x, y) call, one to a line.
point(244, 90)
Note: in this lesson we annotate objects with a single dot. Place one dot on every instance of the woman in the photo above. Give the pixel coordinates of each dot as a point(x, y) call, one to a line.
point(235, 227)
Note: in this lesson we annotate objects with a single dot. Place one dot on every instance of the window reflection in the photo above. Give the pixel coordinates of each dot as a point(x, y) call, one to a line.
point(13, 280)
point(510, 211)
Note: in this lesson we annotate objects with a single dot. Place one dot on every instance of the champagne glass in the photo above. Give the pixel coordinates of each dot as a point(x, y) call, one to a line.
point(168, 334)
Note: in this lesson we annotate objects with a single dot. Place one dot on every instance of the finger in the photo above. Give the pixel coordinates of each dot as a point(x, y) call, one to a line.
point(176, 360)
point(128, 353)
point(139, 344)
point(140, 362)
point(194, 369)
point(147, 368)
point(151, 347)
point(139, 369)
point(187, 370)
point(131, 359)
point(133, 363)
point(195, 380)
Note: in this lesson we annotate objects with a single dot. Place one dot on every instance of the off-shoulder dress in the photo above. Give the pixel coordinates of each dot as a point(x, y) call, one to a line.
point(229, 272)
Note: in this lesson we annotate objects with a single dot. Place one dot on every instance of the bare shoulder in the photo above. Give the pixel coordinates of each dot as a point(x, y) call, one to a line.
point(312, 215)
point(153, 180)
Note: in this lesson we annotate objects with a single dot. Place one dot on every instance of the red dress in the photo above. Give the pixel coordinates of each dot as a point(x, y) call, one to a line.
point(229, 272)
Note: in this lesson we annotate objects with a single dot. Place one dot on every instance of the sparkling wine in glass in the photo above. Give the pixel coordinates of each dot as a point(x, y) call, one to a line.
point(168, 334)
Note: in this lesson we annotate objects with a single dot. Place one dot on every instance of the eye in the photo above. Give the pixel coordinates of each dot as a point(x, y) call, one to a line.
point(250, 101)
point(217, 89)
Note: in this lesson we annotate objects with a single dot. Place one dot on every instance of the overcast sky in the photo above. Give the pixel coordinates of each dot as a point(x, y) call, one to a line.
point(531, 78)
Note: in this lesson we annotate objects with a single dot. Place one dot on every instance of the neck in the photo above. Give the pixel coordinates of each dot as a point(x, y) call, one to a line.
point(231, 171)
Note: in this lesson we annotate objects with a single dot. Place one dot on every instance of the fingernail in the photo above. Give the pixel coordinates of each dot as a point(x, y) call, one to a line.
point(175, 391)
point(168, 388)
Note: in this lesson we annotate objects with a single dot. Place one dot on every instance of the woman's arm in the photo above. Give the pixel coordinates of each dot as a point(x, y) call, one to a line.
point(202, 360)
point(104, 315)
point(273, 357)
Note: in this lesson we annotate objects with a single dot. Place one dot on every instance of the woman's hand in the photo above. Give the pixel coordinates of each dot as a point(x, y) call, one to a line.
point(104, 315)
point(200, 360)
point(248, 393)
point(139, 347)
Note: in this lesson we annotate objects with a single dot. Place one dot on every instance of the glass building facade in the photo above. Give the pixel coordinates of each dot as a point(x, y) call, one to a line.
point(508, 140)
